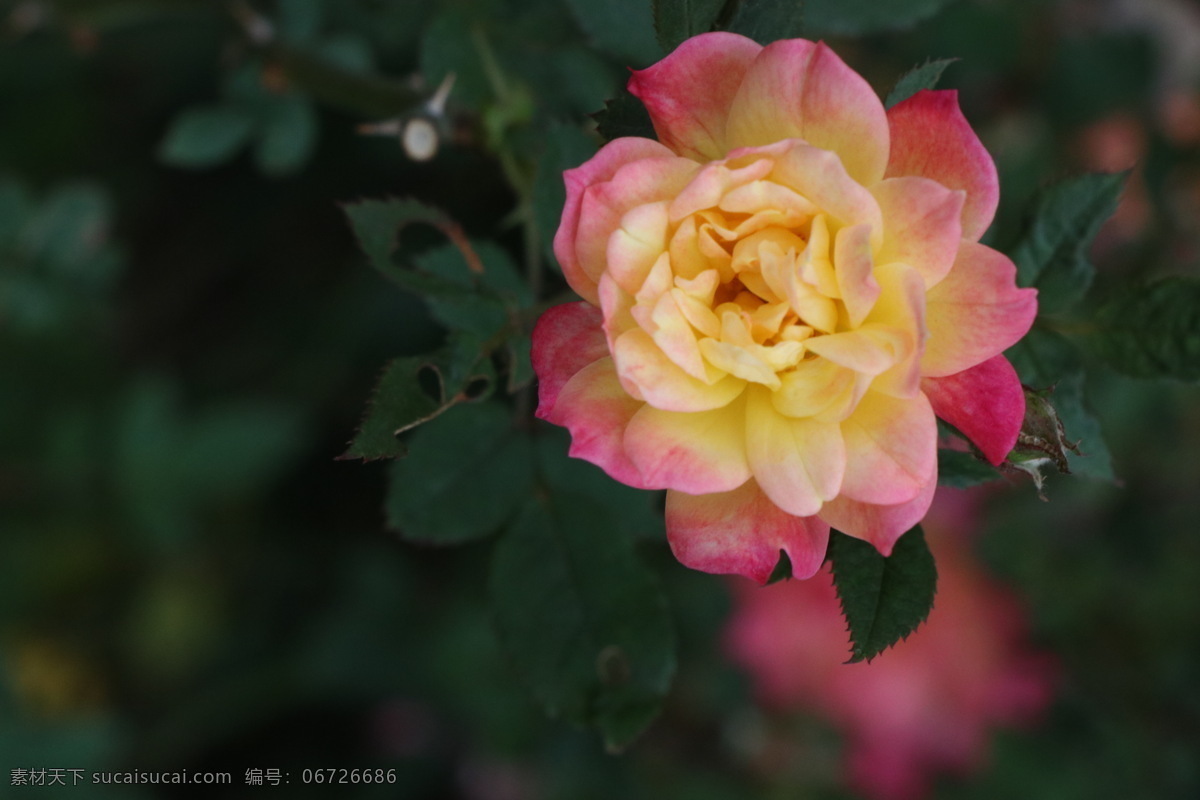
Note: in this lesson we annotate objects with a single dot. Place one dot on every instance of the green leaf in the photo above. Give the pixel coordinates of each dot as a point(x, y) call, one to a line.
point(1152, 331)
point(883, 599)
point(205, 136)
point(858, 17)
point(1090, 456)
point(633, 511)
point(1043, 357)
point(466, 474)
point(1052, 253)
point(925, 76)
point(566, 147)
point(623, 29)
point(462, 291)
point(288, 135)
point(960, 470)
point(520, 363)
point(583, 620)
point(67, 229)
point(624, 115)
point(416, 389)
point(678, 20)
point(766, 21)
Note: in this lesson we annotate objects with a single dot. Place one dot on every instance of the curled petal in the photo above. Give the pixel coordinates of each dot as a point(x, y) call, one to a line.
point(605, 204)
point(976, 312)
point(931, 138)
point(985, 402)
point(648, 373)
point(899, 318)
point(923, 225)
point(879, 525)
point(699, 453)
point(796, 89)
point(852, 265)
point(595, 409)
point(822, 178)
point(565, 340)
point(689, 92)
point(599, 168)
point(799, 463)
point(891, 449)
point(741, 532)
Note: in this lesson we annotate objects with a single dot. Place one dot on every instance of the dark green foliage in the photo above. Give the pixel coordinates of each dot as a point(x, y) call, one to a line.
point(465, 475)
point(624, 115)
point(584, 622)
point(783, 569)
point(766, 21)
point(859, 17)
point(883, 599)
point(623, 29)
point(204, 136)
point(925, 76)
point(1052, 254)
point(677, 20)
point(960, 470)
point(1152, 331)
point(416, 389)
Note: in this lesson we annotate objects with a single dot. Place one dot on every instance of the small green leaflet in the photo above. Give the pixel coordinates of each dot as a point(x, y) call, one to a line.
point(1052, 253)
point(583, 620)
point(204, 136)
point(883, 599)
point(624, 115)
point(925, 76)
point(678, 20)
point(766, 21)
point(1152, 331)
point(454, 374)
point(960, 470)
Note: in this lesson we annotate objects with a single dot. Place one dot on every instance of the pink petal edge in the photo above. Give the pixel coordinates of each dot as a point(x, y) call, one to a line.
point(689, 92)
point(931, 138)
point(565, 339)
point(882, 526)
point(985, 402)
point(600, 167)
point(741, 532)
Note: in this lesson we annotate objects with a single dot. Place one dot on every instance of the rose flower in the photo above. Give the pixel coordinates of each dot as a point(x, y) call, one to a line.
point(778, 296)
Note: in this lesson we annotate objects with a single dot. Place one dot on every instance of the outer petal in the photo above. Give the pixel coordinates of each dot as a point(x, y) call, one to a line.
point(931, 138)
point(985, 402)
point(976, 312)
point(922, 222)
point(891, 449)
point(742, 532)
point(699, 453)
point(689, 92)
point(565, 340)
point(595, 409)
point(798, 462)
point(598, 168)
point(879, 525)
point(796, 89)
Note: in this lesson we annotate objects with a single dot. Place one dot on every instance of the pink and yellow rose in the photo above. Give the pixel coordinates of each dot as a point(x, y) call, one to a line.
point(779, 295)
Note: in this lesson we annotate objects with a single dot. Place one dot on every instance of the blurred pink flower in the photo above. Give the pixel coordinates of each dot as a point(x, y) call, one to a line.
point(923, 707)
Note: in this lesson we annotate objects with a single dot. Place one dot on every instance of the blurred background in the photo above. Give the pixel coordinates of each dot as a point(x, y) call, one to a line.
point(189, 580)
